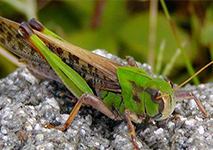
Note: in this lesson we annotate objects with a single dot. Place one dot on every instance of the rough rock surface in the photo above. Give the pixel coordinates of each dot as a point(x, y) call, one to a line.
point(27, 103)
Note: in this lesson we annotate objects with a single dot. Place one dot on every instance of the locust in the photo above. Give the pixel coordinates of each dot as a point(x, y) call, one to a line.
point(121, 91)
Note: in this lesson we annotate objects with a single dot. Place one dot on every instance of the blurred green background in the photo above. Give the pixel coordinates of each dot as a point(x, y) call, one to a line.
point(123, 28)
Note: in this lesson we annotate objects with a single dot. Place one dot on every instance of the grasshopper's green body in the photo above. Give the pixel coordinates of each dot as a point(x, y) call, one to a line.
point(139, 97)
point(118, 90)
point(100, 73)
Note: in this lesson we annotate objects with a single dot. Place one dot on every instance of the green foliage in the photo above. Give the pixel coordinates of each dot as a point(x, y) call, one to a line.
point(5, 66)
point(135, 34)
point(207, 30)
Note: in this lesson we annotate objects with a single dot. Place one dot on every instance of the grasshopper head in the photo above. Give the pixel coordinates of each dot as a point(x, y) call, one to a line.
point(145, 95)
point(168, 103)
point(164, 97)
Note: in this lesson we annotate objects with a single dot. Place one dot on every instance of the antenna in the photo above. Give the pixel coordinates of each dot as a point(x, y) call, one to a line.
point(199, 71)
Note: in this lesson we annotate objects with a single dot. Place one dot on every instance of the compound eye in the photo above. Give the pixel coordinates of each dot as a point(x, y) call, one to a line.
point(154, 95)
point(169, 81)
point(157, 96)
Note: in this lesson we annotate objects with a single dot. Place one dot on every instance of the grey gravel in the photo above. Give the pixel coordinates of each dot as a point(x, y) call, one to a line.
point(26, 103)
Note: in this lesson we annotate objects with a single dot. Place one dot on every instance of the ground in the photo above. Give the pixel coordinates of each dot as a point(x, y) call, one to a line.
point(26, 103)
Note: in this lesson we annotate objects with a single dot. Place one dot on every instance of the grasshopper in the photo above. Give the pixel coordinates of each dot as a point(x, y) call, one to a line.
point(118, 90)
